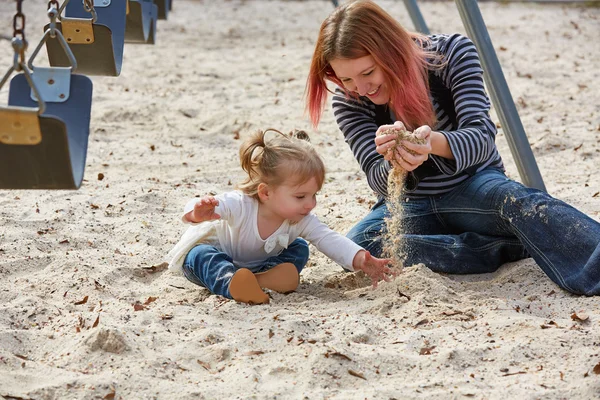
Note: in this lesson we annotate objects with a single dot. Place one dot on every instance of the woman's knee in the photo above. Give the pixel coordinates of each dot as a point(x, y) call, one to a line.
point(366, 235)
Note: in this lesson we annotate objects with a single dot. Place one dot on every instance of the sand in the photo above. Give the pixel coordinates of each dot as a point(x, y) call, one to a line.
point(87, 310)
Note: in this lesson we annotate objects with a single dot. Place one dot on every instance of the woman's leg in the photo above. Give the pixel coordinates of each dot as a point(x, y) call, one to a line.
point(283, 274)
point(207, 266)
point(562, 240)
point(429, 241)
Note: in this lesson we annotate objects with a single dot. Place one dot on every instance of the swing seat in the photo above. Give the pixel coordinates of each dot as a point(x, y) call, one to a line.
point(164, 6)
point(57, 160)
point(101, 52)
point(152, 34)
point(141, 22)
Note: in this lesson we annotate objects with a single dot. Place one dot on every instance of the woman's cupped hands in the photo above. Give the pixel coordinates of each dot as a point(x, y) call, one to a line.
point(407, 155)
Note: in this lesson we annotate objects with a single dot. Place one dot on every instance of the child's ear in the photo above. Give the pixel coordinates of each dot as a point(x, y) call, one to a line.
point(263, 191)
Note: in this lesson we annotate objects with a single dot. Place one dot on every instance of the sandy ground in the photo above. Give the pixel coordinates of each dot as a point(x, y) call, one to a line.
point(87, 311)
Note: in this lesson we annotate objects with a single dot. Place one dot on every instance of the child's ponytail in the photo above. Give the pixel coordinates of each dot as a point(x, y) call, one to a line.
point(275, 160)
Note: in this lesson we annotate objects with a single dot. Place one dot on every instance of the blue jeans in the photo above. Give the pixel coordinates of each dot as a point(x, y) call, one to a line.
point(487, 221)
point(207, 266)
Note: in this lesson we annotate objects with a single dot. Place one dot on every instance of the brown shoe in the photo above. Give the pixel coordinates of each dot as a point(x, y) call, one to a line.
point(245, 288)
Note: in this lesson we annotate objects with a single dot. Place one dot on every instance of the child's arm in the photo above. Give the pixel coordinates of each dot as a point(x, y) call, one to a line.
point(204, 210)
point(343, 250)
point(376, 268)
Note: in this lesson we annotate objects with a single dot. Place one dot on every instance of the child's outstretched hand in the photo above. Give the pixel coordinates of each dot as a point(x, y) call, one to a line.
point(376, 268)
point(204, 210)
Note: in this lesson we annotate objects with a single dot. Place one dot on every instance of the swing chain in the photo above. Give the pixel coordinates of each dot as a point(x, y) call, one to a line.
point(19, 43)
point(88, 6)
point(53, 12)
point(19, 21)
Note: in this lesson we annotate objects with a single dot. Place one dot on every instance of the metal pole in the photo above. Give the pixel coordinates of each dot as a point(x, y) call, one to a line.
point(416, 16)
point(500, 93)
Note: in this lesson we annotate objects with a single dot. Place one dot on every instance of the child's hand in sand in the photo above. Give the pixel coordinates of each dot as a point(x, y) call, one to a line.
point(375, 268)
point(204, 210)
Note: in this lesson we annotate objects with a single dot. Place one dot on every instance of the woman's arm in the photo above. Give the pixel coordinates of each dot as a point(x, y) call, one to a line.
point(461, 144)
point(473, 140)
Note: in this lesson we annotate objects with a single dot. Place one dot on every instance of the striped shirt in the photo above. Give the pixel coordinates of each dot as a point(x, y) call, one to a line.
point(462, 111)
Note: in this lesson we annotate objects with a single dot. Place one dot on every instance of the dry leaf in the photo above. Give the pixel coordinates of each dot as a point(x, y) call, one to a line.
point(254, 353)
point(204, 364)
point(451, 313)
point(357, 374)
point(95, 324)
point(110, 396)
point(422, 322)
point(139, 307)
point(597, 369)
point(516, 373)
point(156, 268)
point(85, 299)
point(339, 355)
point(581, 317)
point(425, 351)
point(150, 300)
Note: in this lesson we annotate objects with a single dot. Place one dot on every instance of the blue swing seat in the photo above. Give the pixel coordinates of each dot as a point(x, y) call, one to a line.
point(58, 160)
point(105, 55)
point(164, 6)
point(141, 22)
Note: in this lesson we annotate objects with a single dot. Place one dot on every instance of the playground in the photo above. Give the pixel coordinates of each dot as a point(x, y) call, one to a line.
point(88, 309)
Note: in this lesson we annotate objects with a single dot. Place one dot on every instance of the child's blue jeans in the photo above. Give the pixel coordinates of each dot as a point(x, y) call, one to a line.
point(207, 266)
point(487, 221)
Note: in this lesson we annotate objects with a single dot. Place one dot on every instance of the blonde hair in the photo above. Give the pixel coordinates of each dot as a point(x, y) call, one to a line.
point(275, 160)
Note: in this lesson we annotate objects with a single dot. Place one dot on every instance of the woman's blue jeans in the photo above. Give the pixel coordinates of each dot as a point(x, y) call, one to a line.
point(207, 266)
point(487, 221)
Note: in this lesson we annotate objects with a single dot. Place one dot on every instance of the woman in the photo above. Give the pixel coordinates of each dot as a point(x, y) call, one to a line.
point(461, 214)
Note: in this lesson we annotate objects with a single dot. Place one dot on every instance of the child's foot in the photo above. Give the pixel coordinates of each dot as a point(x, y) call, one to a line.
point(282, 278)
point(245, 288)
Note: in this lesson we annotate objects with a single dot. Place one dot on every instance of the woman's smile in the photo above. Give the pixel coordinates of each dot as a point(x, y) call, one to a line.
point(374, 92)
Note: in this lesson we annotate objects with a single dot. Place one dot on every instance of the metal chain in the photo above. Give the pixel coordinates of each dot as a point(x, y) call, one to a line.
point(19, 42)
point(53, 3)
point(19, 21)
point(53, 13)
point(88, 5)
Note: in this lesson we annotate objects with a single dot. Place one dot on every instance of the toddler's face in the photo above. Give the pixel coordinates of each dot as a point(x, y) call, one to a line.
point(293, 201)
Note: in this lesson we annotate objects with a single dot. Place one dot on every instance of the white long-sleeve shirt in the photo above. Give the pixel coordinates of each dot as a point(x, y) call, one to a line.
point(236, 234)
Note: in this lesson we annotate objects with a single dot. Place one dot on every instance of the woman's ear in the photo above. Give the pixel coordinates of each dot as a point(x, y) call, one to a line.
point(263, 191)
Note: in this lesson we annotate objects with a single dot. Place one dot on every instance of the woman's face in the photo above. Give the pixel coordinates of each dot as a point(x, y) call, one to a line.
point(363, 76)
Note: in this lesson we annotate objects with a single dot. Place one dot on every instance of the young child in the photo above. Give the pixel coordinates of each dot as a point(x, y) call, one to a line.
point(242, 241)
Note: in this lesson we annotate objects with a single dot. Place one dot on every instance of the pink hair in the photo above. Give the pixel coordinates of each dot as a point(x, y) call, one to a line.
point(362, 28)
